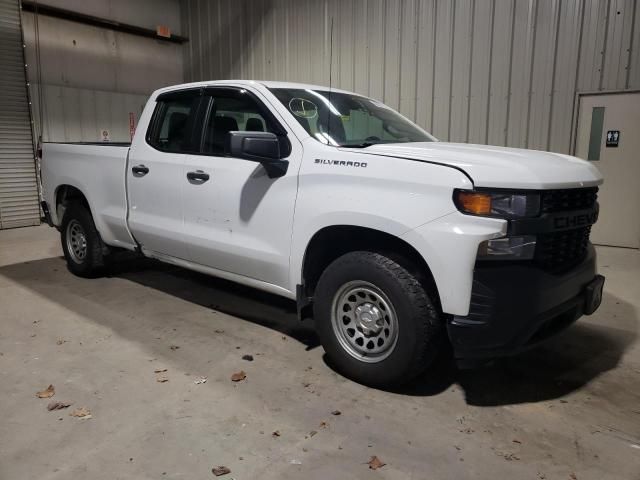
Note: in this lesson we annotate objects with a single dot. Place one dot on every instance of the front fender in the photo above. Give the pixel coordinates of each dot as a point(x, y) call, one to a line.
point(449, 246)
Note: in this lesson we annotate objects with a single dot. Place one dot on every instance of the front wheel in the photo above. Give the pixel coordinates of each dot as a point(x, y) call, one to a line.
point(375, 320)
point(81, 243)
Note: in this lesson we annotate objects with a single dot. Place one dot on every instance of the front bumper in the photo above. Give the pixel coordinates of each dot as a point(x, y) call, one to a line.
point(515, 306)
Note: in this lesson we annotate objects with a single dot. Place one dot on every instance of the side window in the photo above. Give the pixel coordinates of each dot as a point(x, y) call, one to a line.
point(232, 111)
point(173, 123)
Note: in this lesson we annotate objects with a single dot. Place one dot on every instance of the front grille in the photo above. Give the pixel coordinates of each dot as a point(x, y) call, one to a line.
point(560, 251)
point(569, 199)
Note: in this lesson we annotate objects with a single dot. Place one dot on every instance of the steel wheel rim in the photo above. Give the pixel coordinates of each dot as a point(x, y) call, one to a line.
point(76, 241)
point(364, 321)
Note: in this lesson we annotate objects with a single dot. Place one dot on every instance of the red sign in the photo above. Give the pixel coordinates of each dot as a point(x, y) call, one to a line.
point(132, 124)
point(163, 31)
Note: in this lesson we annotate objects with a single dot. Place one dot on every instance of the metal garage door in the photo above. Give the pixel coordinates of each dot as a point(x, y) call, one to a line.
point(18, 186)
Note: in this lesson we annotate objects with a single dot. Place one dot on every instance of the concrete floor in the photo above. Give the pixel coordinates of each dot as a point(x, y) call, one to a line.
point(567, 410)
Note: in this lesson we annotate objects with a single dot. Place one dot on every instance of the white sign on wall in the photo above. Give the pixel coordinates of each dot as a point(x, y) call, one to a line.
point(105, 135)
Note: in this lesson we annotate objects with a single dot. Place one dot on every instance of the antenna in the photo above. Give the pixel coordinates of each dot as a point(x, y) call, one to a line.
point(331, 55)
point(330, 77)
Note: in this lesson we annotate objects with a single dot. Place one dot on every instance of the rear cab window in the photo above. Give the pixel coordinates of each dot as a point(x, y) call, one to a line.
point(173, 125)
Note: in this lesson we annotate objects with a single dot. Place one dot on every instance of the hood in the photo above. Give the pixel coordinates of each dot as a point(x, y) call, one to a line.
point(500, 167)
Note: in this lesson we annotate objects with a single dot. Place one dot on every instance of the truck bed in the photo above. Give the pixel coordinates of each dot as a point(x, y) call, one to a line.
point(96, 168)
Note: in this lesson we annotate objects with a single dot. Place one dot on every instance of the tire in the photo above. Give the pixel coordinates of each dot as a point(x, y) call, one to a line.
point(83, 249)
point(386, 307)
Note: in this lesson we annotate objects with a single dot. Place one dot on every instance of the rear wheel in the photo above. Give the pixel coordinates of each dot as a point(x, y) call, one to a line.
point(81, 243)
point(375, 320)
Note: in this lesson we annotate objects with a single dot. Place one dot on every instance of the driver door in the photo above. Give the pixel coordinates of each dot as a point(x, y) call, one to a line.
point(236, 218)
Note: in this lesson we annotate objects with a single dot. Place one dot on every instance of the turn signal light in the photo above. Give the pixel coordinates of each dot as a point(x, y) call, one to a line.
point(474, 202)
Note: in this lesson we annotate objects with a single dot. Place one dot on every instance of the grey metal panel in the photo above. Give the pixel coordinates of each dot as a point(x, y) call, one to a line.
point(83, 56)
point(543, 73)
point(620, 16)
point(375, 19)
point(489, 71)
point(18, 188)
point(147, 14)
point(593, 43)
point(461, 70)
point(568, 47)
point(523, 42)
point(408, 27)
point(392, 54)
point(500, 73)
point(425, 63)
point(480, 70)
point(633, 63)
point(445, 32)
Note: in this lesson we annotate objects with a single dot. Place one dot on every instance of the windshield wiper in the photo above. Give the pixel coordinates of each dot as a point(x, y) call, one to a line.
point(358, 145)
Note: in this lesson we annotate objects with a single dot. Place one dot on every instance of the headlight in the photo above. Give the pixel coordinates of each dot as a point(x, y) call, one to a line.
point(497, 204)
point(520, 247)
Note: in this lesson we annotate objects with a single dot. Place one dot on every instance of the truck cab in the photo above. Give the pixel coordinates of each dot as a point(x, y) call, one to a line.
point(394, 242)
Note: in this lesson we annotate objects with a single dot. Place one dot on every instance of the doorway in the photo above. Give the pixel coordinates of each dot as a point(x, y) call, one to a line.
point(608, 135)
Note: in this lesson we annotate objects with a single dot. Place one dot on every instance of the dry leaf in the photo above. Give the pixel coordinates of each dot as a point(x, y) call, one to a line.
point(174, 347)
point(276, 433)
point(375, 463)
point(49, 392)
point(220, 470)
point(248, 358)
point(82, 412)
point(60, 341)
point(160, 370)
point(162, 378)
point(57, 405)
point(200, 380)
point(217, 330)
point(336, 412)
point(238, 376)
point(323, 425)
point(312, 433)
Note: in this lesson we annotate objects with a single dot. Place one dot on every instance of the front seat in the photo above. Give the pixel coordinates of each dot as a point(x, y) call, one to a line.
point(254, 125)
point(221, 127)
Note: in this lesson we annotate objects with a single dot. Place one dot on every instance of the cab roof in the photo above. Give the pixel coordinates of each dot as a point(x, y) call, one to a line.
point(254, 83)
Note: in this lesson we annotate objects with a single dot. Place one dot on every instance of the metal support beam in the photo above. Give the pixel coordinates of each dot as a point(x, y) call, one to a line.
point(40, 9)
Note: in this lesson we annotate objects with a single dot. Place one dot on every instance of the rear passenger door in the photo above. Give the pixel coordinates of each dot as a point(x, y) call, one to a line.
point(236, 218)
point(154, 173)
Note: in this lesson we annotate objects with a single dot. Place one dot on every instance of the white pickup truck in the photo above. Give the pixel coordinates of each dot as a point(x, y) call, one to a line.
point(395, 242)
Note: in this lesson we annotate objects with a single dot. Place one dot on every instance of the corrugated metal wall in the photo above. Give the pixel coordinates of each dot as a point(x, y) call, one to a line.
point(18, 188)
point(502, 72)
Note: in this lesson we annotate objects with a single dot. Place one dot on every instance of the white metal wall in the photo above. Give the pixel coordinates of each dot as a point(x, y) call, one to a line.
point(501, 72)
point(18, 188)
point(82, 114)
point(93, 77)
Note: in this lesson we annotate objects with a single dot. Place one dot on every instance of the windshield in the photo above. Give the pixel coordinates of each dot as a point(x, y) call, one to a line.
point(348, 120)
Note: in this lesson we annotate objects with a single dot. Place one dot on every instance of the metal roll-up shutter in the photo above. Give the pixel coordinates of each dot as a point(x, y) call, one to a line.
point(18, 186)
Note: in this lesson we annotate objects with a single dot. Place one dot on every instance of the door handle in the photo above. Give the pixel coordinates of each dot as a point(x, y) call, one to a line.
point(197, 177)
point(139, 170)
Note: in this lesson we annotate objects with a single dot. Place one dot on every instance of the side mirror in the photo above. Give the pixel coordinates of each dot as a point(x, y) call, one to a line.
point(261, 147)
